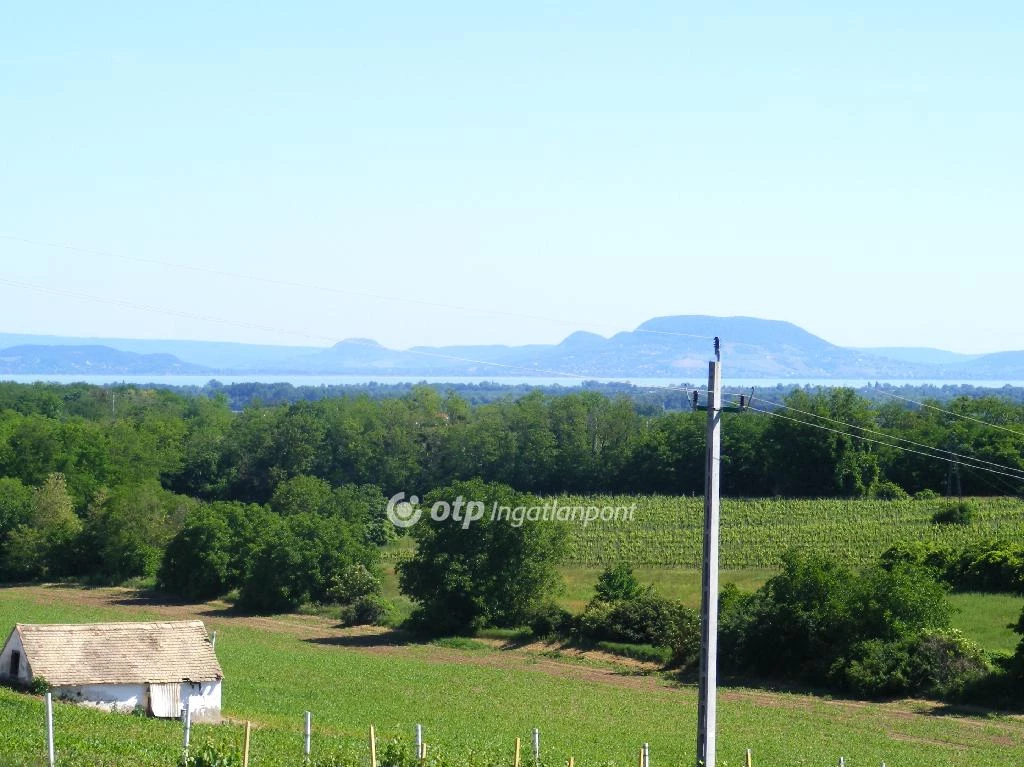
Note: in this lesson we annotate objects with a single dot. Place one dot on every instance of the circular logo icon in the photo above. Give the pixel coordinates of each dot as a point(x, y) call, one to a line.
point(403, 513)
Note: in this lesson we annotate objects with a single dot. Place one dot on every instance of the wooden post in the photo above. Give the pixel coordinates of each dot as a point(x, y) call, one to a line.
point(423, 752)
point(640, 758)
point(309, 729)
point(572, 762)
point(49, 727)
point(373, 747)
point(750, 755)
point(245, 746)
point(707, 688)
point(516, 762)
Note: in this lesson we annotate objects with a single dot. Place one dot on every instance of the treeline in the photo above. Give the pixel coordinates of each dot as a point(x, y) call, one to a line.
point(648, 400)
point(579, 442)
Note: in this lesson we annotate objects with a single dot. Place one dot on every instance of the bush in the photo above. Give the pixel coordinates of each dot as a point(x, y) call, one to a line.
point(888, 491)
point(618, 583)
point(551, 620)
point(820, 623)
point(367, 610)
point(925, 495)
point(213, 755)
point(961, 513)
point(941, 664)
point(648, 619)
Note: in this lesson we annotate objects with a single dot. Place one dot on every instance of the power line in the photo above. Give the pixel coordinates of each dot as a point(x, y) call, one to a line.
point(878, 442)
point(951, 412)
point(898, 439)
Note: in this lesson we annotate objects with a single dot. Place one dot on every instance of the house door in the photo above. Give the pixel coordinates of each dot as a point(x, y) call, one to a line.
point(165, 700)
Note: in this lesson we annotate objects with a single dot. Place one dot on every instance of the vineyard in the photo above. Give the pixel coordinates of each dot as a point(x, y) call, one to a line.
point(666, 531)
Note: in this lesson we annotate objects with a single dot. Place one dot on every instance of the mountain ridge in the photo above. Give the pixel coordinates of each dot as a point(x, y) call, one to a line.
point(670, 346)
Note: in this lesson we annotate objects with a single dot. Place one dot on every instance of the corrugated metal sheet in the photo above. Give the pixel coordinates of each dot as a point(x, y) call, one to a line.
point(119, 653)
point(165, 699)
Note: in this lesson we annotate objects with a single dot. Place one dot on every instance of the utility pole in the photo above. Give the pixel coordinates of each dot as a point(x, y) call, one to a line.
point(708, 683)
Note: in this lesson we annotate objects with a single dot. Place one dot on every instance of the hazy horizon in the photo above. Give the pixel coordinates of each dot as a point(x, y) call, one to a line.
point(464, 174)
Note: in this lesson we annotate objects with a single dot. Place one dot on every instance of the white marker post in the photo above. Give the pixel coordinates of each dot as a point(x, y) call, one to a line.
point(49, 727)
point(186, 719)
point(419, 742)
point(309, 727)
point(536, 747)
point(647, 755)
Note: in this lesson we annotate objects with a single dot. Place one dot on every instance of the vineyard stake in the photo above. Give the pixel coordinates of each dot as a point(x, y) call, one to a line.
point(419, 742)
point(536, 747)
point(373, 747)
point(749, 758)
point(49, 727)
point(245, 747)
point(516, 763)
point(646, 751)
point(640, 758)
point(309, 727)
point(707, 688)
point(187, 721)
point(572, 762)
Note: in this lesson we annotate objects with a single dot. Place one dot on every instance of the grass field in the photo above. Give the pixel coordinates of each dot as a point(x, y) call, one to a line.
point(475, 698)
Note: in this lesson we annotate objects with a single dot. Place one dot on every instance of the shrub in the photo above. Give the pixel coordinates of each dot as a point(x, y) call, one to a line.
point(960, 513)
point(550, 620)
point(616, 583)
point(367, 610)
point(925, 495)
point(648, 619)
point(820, 623)
point(888, 491)
point(942, 664)
point(213, 755)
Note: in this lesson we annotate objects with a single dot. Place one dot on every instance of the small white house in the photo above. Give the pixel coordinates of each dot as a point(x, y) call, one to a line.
point(157, 667)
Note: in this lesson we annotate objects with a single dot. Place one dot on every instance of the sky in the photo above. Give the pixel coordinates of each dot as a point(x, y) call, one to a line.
point(454, 173)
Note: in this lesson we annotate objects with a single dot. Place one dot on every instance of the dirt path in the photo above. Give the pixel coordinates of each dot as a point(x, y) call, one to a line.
point(549, 658)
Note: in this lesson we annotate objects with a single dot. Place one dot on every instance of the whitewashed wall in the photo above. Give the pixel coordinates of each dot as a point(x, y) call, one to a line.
point(123, 697)
point(203, 699)
point(14, 645)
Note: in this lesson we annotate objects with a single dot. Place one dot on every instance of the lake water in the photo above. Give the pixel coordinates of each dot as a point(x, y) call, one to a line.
point(332, 380)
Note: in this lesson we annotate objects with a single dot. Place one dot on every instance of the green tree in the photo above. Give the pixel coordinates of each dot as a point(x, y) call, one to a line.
point(488, 572)
point(43, 546)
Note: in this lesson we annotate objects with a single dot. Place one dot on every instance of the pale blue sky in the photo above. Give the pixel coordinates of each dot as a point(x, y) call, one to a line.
point(856, 172)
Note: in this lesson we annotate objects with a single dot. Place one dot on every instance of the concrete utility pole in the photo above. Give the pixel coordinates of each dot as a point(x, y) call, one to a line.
point(708, 684)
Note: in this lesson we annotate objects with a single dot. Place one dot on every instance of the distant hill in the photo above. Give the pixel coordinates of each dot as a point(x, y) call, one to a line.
point(676, 347)
point(90, 360)
point(920, 355)
point(215, 355)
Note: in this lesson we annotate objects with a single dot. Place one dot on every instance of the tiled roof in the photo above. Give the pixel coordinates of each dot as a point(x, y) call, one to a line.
point(119, 653)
